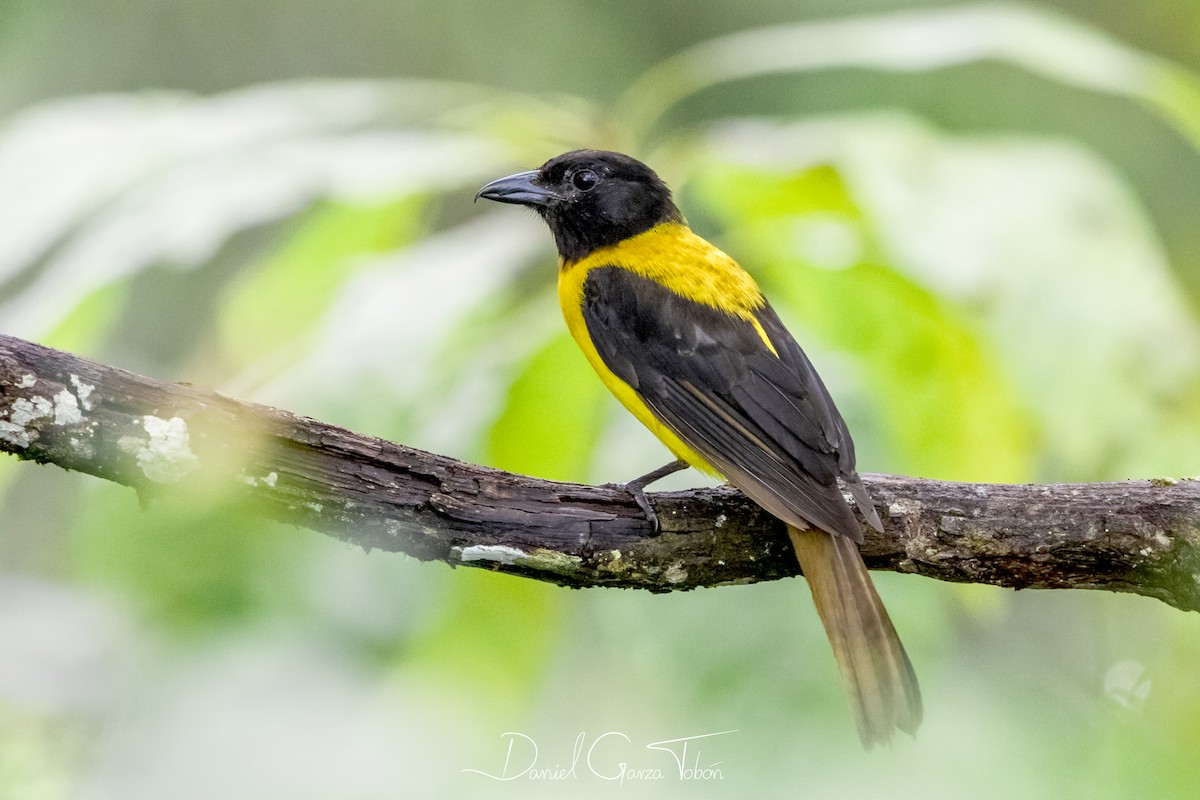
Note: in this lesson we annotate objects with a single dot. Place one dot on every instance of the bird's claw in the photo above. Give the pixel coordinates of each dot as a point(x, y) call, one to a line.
point(639, 497)
point(636, 488)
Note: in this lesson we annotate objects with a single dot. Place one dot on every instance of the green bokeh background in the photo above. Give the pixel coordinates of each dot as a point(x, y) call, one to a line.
point(979, 220)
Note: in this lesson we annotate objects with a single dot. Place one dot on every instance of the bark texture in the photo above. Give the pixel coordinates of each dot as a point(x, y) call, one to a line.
point(1133, 536)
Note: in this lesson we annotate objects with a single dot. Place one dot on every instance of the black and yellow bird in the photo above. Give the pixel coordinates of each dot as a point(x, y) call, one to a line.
point(684, 338)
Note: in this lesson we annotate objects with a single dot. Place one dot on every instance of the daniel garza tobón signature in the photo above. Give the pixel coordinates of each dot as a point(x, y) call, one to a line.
point(608, 757)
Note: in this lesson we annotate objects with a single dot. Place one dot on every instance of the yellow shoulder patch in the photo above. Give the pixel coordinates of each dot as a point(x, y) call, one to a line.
point(672, 255)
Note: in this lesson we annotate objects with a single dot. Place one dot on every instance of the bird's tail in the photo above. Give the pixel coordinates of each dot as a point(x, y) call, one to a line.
point(877, 674)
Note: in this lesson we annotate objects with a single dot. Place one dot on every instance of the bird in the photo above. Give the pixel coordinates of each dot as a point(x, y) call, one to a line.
point(684, 338)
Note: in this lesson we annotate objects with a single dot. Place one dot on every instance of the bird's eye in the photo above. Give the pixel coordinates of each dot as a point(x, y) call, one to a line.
point(585, 179)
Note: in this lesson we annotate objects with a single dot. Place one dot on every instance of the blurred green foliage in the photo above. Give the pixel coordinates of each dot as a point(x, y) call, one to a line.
point(979, 221)
point(943, 407)
point(327, 244)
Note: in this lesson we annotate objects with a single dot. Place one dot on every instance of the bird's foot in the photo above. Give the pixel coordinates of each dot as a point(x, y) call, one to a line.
point(637, 489)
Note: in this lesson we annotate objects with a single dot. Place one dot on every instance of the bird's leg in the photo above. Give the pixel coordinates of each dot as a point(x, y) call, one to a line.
point(637, 487)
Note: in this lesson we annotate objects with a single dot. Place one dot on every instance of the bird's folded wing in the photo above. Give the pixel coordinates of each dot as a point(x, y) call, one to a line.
point(742, 395)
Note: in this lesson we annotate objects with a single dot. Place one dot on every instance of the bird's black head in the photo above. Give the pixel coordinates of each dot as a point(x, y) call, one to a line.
point(589, 198)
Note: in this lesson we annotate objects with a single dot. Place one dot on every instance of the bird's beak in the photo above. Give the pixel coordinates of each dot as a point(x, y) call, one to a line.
point(520, 189)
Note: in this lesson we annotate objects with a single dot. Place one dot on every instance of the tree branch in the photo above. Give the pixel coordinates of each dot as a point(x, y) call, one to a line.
point(1136, 536)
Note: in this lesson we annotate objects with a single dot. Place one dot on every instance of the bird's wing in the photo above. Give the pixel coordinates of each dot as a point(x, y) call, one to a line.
point(762, 418)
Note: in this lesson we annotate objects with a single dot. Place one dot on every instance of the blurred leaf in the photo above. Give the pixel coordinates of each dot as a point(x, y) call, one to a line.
point(280, 301)
point(552, 419)
point(181, 175)
point(188, 562)
point(1039, 40)
point(482, 352)
point(1037, 244)
point(493, 640)
point(89, 321)
point(386, 331)
point(946, 409)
